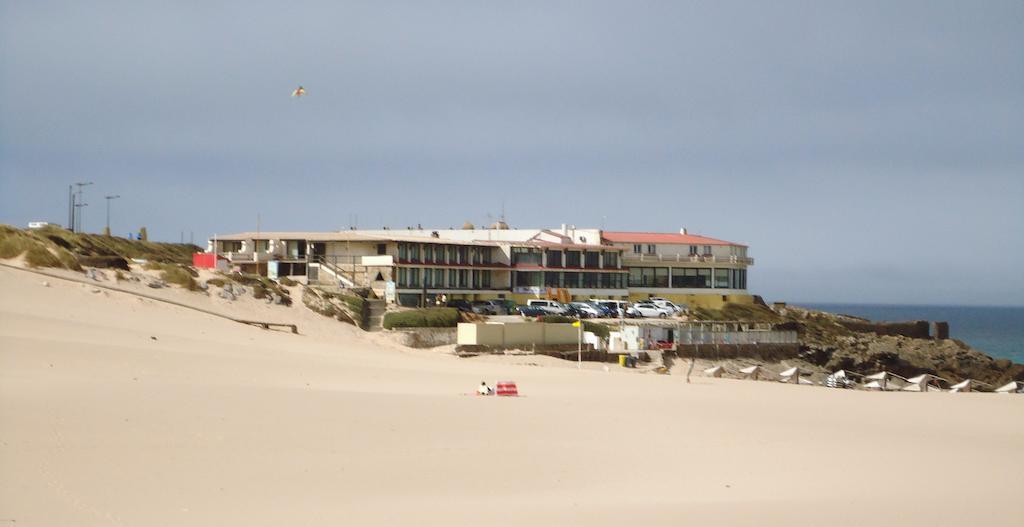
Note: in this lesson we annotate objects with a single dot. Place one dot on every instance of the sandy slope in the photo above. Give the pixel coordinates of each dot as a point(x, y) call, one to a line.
point(216, 423)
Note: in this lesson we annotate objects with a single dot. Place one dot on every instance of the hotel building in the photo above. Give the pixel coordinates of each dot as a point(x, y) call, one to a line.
point(502, 263)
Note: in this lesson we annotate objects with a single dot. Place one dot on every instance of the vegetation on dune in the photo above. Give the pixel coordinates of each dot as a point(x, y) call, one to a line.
point(175, 274)
point(39, 252)
point(431, 317)
point(56, 247)
point(346, 308)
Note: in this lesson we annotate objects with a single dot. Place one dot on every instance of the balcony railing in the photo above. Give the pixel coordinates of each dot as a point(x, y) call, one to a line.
point(691, 258)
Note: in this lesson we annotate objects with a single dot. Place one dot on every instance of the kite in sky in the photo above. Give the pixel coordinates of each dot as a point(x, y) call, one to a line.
point(299, 92)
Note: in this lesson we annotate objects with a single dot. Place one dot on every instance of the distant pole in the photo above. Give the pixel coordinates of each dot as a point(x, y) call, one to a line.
point(579, 342)
point(71, 208)
point(79, 223)
point(108, 198)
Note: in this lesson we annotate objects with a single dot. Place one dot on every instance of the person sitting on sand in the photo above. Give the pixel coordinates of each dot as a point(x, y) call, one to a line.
point(483, 389)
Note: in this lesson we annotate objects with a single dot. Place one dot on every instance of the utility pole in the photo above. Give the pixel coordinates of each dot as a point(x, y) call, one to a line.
point(71, 208)
point(108, 198)
point(79, 204)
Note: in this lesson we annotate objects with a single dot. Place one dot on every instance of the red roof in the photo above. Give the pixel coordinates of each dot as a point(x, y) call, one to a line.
point(672, 238)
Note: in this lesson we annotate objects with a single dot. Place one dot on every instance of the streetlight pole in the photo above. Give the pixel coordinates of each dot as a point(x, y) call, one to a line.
point(80, 203)
point(108, 198)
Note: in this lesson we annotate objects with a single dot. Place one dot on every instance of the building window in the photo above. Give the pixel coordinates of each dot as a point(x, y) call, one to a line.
point(476, 279)
point(414, 252)
point(591, 280)
point(721, 278)
point(414, 277)
point(691, 278)
point(636, 248)
point(463, 278)
point(428, 253)
point(593, 259)
point(230, 247)
point(552, 279)
point(262, 245)
point(403, 277)
point(572, 259)
point(525, 256)
point(652, 249)
point(486, 252)
point(661, 277)
point(428, 278)
point(554, 258)
point(485, 279)
point(571, 279)
point(527, 279)
point(693, 250)
point(611, 260)
point(403, 251)
point(453, 278)
point(707, 250)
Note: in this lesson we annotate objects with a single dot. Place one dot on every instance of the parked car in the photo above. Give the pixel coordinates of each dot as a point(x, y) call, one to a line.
point(604, 311)
point(585, 310)
point(552, 307)
point(532, 311)
point(461, 305)
point(489, 307)
point(647, 310)
point(666, 303)
point(615, 307)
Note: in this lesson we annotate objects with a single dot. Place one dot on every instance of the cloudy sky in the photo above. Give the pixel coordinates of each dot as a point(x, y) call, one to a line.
point(866, 151)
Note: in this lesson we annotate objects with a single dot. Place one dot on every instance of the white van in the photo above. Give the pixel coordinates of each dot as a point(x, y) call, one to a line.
point(666, 303)
point(550, 306)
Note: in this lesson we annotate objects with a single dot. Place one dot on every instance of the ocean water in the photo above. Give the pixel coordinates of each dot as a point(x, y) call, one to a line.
point(997, 331)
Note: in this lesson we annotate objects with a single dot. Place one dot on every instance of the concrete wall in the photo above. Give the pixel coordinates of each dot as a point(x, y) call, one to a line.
point(918, 329)
point(765, 352)
point(423, 337)
point(508, 335)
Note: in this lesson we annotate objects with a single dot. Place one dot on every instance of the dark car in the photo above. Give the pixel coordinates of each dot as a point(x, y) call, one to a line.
point(532, 311)
point(461, 305)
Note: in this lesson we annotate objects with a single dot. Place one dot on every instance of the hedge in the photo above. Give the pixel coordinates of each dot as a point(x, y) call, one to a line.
point(600, 330)
point(432, 317)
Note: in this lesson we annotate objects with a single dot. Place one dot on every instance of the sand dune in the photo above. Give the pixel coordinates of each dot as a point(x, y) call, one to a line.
point(117, 411)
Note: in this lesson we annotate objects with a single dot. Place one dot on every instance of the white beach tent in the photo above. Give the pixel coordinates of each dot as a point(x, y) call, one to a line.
point(751, 372)
point(1011, 387)
point(967, 386)
point(841, 379)
point(793, 376)
point(714, 371)
point(880, 381)
point(925, 382)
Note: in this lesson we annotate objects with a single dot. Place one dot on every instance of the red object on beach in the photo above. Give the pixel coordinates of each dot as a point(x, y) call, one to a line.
point(507, 389)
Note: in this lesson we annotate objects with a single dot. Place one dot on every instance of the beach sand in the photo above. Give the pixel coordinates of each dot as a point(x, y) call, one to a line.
point(121, 411)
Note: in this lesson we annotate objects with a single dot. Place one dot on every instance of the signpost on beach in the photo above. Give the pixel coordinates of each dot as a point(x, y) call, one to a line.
point(579, 343)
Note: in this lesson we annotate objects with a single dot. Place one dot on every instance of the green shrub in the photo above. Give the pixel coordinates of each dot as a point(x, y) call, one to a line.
point(432, 317)
point(259, 292)
point(557, 319)
point(174, 274)
point(219, 282)
point(600, 330)
point(287, 282)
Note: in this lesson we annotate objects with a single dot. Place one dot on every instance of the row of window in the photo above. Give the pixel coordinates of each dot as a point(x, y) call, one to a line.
point(444, 254)
point(569, 279)
point(688, 277)
point(444, 278)
point(638, 248)
point(559, 258)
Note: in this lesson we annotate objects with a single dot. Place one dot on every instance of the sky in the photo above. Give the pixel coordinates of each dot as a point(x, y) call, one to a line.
point(866, 152)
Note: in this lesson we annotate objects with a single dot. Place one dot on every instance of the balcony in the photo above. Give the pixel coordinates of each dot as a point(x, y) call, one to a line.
point(686, 258)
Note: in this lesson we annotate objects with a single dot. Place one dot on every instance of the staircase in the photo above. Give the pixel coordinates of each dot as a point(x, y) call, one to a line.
point(377, 307)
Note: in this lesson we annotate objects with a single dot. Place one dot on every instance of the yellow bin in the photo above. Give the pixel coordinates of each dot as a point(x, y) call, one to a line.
point(622, 360)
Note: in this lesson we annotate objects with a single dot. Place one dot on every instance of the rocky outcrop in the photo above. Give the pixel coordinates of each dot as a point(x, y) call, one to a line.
point(831, 342)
